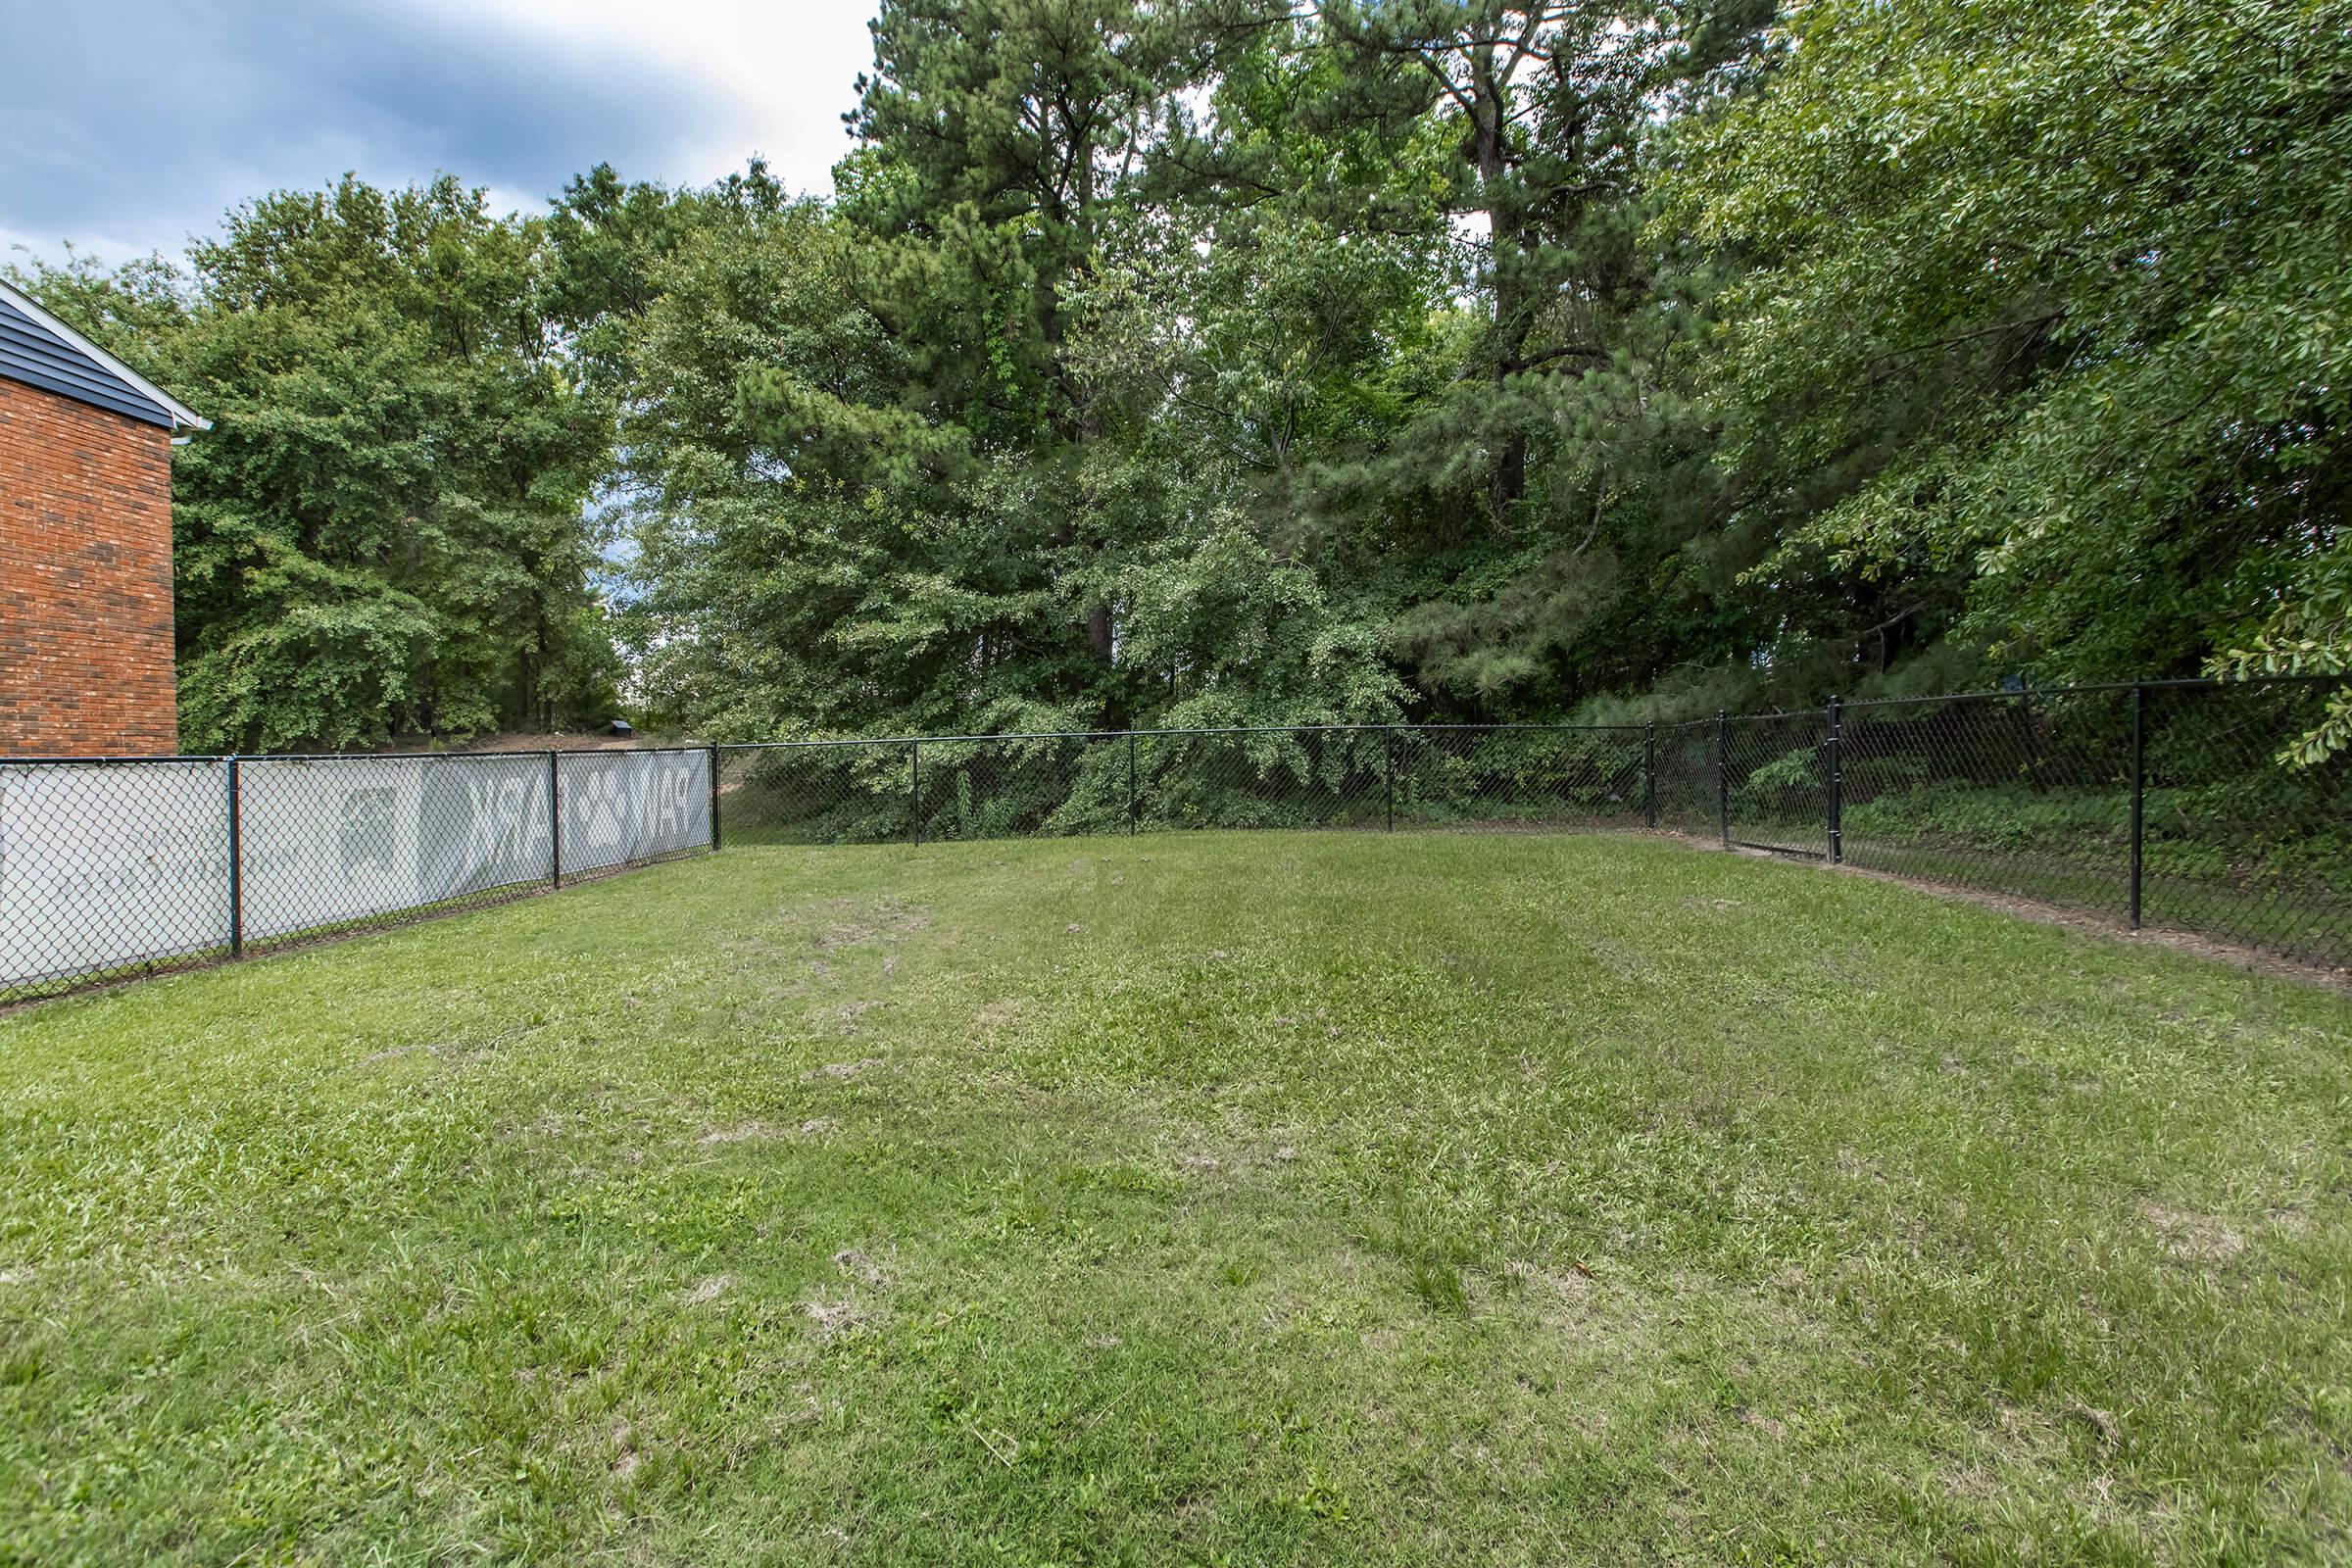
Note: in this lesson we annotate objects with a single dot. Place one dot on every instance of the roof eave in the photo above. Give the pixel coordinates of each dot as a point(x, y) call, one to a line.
point(183, 416)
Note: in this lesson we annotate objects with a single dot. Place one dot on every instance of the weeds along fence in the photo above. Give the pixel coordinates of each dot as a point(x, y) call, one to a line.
point(2150, 804)
point(2156, 802)
point(117, 866)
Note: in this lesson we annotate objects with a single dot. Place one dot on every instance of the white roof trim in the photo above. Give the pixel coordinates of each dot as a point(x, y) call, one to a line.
point(181, 412)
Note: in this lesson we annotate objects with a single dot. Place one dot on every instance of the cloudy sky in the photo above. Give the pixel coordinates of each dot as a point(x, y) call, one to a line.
point(127, 127)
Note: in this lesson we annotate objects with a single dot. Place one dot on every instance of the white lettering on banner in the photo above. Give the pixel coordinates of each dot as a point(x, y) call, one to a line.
point(327, 841)
point(365, 837)
point(670, 794)
point(104, 866)
point(628, 806)
point(601, 804)
point(499, 816)
point(633, 805)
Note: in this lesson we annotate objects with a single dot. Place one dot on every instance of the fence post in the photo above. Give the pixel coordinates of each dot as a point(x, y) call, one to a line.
point(1723, 777)
point(914, 786)
point(236, 862)
point(1387, 774)
point(1649, 775)
point(555, 822)
point(1131, 783)
point(2140, 792)
point(715, 797)
point(1836, 761)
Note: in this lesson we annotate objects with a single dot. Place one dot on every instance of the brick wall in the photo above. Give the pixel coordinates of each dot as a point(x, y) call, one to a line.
point(85, 579)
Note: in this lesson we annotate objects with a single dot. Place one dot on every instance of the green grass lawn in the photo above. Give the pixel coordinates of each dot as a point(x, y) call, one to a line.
point(1220, 1199)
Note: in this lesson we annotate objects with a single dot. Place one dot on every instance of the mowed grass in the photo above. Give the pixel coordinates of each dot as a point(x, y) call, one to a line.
point(1219, 1199)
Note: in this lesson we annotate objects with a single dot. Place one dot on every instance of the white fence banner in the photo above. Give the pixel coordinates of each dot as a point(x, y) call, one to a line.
point(105, 865)
point(336, 839)
point(633, 806)
point(108, 865)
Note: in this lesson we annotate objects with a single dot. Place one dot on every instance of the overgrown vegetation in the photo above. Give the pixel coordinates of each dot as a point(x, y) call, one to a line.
point(1209, 1198)
point(382, 531)
point(1201, 361)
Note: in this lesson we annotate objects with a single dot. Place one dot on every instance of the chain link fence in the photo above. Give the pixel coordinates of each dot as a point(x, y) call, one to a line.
point(112, 869)
point(2169, 803)
point(2159, 805)
point(1391, 777)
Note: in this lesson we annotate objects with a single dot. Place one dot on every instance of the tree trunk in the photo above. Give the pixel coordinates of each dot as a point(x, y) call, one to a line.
point(1507, 479)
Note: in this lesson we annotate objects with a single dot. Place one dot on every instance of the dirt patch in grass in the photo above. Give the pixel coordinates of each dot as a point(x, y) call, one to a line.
point(996, 1014)
point(841, 1069)
point(390, 1051)
point(859, 1266)
point(760, 1132)
point(854, 923)
point(834, 1318)
point(1552, 1287)
point(706, 1291)
point(2193, 1238)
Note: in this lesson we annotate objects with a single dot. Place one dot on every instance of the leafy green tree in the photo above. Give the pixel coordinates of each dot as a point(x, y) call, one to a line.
point(1424, 234)
point(1203, 362)
point(382, 531)
point(997, 138)
point(743, 565)
point(2047, 326)
point(816, 557)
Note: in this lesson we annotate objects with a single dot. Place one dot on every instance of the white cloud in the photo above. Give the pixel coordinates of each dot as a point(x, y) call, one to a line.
point(22, 245)
point(228, 99)
point(779, 72)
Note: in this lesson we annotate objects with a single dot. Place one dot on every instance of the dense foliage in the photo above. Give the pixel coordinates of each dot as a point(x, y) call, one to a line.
point(2051, 327)
point(1189, 362)
point(382, 531)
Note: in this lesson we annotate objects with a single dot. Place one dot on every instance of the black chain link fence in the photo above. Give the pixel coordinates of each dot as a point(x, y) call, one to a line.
point(2158, 805)
point(1685, 781)
point(1777, 782)
point(2029, 794)
point(1340, 776)
point(2169, 803)
point(2025, 795)
point(111, 868)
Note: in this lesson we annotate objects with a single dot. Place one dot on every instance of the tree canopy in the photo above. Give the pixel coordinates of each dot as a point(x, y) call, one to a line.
point(1204, 362)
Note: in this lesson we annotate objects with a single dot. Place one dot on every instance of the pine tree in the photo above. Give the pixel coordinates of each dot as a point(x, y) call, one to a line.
point(997, 138)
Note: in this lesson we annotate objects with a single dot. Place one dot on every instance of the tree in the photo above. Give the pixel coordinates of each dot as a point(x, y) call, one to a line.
point(2049, 325)
point(1522, 494)
point(1277, 360)
point(813, 558)
point(382, 531)
point(996, 137)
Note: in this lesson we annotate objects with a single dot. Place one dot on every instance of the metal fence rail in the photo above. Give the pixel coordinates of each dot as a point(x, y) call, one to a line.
point(2160, 802)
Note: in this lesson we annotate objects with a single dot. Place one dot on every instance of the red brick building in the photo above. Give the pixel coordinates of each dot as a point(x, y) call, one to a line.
point(86, 545)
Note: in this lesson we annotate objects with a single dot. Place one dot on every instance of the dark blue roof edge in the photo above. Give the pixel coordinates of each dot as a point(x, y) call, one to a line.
point(131, 407)
point(65, 367)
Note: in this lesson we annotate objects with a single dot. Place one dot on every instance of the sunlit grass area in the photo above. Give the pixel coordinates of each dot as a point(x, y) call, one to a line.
point(1213, 1198)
